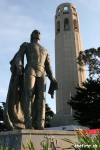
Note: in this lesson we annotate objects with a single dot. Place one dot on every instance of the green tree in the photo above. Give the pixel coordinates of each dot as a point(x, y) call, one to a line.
point(91, 59)
point(86, 102)
point(48, 115)
point(2, 125)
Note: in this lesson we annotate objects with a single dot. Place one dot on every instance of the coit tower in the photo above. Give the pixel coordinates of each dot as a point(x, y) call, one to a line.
point(68, 44)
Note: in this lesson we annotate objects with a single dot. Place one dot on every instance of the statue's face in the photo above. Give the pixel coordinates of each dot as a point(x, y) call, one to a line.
point(35, 35)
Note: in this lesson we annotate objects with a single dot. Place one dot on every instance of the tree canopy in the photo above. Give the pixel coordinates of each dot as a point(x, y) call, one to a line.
point(2, 125)
point(86, 102)
point(91, 59)
point(48, 115)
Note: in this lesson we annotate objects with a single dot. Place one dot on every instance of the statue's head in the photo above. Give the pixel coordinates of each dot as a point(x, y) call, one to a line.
point(35, 35)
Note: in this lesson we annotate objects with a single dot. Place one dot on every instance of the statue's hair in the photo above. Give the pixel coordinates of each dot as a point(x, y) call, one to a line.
point(33, 33)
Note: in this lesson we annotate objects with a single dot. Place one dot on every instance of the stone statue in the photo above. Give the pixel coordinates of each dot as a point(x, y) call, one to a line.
point(25, 104)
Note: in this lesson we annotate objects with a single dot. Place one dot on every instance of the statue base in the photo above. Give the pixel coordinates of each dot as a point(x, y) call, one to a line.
point(16, 138)
point(62, 120)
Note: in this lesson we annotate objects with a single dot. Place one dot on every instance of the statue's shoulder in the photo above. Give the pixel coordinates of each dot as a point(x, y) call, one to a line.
point(24, 44)
point(43, 49)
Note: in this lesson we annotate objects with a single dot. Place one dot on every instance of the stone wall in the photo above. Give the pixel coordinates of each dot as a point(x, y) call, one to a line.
point(15, 138)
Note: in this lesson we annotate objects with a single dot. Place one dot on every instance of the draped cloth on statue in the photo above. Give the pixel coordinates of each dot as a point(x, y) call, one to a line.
point(13, 114)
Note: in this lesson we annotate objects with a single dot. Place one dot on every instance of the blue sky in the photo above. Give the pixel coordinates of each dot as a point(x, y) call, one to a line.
point(19, 18)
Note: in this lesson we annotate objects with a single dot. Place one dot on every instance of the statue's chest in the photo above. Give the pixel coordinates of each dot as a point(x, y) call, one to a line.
point(35, 50)
point(36, 54)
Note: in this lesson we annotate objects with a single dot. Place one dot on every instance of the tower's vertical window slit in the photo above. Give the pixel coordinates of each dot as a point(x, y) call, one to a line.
point(66, 24)
point(58, 27)
point(76, 25)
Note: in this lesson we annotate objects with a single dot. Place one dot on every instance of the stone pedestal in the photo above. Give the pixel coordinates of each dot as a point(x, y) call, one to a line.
point(62, 120)
point(15, 138)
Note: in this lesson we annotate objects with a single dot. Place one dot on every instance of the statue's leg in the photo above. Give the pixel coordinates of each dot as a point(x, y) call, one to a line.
point(34, 111)
point(29, 88)
point(40, 101)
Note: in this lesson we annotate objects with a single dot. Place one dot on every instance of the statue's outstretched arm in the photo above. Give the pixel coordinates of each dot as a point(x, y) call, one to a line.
point(48, 68)
point(53, 84)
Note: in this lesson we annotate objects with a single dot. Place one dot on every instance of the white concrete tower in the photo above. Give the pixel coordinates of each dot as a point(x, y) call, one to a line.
point(67, 47)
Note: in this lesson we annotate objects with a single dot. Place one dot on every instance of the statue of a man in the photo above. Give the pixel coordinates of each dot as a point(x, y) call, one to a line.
point(28, 86)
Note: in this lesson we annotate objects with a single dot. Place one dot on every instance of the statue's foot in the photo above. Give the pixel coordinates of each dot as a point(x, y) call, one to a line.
point(39, 128)
point(19, 126)
point(29, 127)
